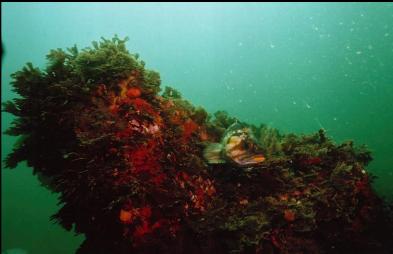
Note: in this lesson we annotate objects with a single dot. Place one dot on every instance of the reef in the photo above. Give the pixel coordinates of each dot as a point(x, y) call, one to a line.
point(127, 161)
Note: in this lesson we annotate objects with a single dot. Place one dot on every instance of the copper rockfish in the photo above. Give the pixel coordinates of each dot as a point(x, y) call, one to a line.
point(238, 146)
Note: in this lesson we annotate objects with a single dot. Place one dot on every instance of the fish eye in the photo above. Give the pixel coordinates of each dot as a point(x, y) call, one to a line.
point(246, 145)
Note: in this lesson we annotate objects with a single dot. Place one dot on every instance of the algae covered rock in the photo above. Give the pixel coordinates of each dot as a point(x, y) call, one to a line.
point(128, 164)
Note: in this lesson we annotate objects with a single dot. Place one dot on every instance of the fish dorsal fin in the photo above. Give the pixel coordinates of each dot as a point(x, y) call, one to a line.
point(233, 127)
point(213, 153)
point(231, 130)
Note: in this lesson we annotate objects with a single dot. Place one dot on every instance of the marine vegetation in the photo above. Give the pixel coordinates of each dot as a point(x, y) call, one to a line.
point(128, 162)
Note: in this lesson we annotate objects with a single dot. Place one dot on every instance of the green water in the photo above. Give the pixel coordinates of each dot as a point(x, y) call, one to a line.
point(298, 67)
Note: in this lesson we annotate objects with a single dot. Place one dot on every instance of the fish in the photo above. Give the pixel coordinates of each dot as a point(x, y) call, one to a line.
point(238, 146)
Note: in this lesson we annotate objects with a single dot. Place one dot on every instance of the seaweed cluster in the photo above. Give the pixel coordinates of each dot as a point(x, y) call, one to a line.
point(127, 161)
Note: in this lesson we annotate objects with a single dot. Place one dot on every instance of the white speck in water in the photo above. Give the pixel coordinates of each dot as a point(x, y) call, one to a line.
point(348, 61)
point(386, 34)
point(358, 52)
point(272, 45)
point(334, 118)
point(240, 44)
point(294, 102)
point(240, 101)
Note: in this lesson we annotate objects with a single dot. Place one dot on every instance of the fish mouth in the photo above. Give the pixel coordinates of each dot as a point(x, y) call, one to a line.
point(250, 159)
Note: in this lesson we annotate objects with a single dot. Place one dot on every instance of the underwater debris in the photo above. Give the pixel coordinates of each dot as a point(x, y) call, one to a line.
point(129, 165)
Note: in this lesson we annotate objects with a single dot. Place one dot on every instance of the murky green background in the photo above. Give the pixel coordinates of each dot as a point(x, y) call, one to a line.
point(298, 67)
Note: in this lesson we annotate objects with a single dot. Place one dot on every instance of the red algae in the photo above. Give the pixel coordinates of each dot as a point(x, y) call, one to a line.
point(144, 106)
point(189, 128)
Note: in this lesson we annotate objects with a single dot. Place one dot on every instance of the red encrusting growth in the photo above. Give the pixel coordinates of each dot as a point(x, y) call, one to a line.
point(148, 164)
point(189, 128)
point(289, 215)
point(311, 161)
point(133, 92)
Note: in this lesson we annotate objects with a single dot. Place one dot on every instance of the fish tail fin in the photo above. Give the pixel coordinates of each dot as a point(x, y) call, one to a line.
point(212, 153)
